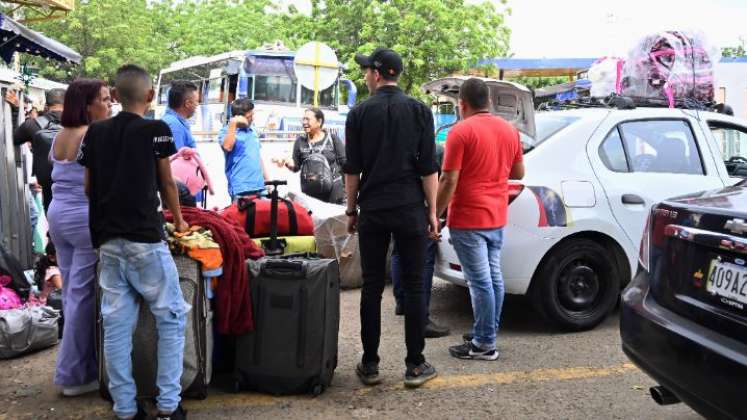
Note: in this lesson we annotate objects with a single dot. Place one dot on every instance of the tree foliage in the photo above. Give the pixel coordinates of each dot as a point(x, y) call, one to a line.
point(434, 37)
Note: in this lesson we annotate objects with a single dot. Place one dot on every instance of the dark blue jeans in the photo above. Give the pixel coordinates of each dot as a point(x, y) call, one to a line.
point(428, 269)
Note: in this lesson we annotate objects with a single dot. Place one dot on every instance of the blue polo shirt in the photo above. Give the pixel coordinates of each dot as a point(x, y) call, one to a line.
point(243, 163)
point(180, 129)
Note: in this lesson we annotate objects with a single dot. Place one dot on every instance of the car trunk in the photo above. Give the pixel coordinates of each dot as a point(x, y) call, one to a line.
point(511, 101)
point(699, 259)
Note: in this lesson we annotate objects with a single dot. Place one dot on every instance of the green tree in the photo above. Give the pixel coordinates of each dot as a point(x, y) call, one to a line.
point(108, 33)
point(434, 37)
point(737, 51)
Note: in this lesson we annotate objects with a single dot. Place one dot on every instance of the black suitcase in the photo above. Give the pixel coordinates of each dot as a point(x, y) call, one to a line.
point(198, 339)
point(296, 307)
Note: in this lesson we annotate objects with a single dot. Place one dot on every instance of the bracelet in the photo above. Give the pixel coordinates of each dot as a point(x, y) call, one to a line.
point(351, 212)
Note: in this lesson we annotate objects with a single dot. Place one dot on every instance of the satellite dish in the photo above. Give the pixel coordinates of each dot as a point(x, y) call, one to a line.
point(316, 67)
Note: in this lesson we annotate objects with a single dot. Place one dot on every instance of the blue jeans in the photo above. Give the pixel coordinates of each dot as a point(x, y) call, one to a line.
point(430, 263)
point(479, 253)
point(130, 270)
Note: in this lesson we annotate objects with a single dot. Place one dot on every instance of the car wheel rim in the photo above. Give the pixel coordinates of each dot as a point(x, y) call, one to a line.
point(579, 287)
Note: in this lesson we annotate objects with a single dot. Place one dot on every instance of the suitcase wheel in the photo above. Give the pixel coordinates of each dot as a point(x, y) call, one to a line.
point(238, 384)
point(317, 390)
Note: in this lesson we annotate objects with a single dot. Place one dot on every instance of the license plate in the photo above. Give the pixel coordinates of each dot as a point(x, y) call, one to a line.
point(728, 280)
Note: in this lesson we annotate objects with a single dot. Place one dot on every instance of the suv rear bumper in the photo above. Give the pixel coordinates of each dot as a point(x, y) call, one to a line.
point(706, 370)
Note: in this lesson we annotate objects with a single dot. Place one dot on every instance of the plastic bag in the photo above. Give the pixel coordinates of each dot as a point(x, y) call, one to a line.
point(671, 66)
point(27, 329)
point(9, 299)
point(605, 76)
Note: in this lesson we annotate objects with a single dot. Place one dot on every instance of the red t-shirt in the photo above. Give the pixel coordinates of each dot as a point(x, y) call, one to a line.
point(483, 148)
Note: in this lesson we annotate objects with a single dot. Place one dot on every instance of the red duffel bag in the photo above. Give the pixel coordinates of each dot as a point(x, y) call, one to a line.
point(254, 214)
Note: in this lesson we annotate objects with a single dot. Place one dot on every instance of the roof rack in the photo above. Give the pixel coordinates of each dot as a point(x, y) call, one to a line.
point(626, 102)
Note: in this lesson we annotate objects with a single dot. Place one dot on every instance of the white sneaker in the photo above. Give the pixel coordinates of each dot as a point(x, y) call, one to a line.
point(74, 391)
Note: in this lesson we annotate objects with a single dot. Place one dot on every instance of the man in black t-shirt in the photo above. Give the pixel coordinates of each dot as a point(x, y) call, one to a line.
point(127, 165)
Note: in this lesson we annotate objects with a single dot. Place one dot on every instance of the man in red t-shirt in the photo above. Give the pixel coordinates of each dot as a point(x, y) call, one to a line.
point(482, 153)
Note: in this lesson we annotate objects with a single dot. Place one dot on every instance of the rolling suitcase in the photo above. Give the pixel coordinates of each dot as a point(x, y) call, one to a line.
point(198, 343)
point(293, 348)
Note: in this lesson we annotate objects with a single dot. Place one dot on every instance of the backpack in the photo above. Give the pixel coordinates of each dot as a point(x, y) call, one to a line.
point(317, 178)
point(41, 144)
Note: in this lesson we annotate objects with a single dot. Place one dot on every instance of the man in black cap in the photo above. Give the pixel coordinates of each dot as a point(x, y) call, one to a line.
point(390, 173)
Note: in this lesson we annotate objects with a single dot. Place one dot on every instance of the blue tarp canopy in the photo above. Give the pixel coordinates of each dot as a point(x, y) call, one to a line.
point(15, 37)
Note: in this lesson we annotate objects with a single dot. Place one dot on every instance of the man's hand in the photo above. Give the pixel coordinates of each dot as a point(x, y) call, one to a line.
point(352, 224)
point(181, 226)
point(35, 187)
point(434, 226)
point(11, 97)
point(240, 121)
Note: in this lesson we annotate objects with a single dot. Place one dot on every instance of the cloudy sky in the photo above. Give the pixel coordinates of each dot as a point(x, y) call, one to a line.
point(594, 28)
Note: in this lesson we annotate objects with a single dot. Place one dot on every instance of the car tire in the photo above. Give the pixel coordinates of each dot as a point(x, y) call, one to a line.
point(577, 285)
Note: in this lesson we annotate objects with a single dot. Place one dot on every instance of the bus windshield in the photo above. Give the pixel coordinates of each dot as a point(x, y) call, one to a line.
point(275, 88)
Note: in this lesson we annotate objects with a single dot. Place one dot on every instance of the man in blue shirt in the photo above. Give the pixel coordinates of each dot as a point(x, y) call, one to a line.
point(245, 169)
point(183, 101)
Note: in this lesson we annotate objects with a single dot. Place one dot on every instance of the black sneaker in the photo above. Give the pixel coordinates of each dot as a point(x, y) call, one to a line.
point(178, 414)
point(471, 352)
point(141, 414)
point(399, 310)
point(368, 373)
point(420, 374)
point(433, 330)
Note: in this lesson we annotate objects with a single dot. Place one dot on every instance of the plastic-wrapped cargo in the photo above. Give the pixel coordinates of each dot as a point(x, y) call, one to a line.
point(671, 66)
point(605, 76)
point(333, 239)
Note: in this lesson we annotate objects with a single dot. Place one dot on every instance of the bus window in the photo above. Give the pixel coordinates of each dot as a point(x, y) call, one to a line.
point(274, 89)
point(326, 97)
point(163, 95)
point(215, 90)
point(233, 81)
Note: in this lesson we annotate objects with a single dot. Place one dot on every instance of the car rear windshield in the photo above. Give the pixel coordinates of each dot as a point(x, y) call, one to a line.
point(547, 124)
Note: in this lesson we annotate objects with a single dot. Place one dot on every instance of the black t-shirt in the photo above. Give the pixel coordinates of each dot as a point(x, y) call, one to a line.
point(389, 141)
point(121, 154)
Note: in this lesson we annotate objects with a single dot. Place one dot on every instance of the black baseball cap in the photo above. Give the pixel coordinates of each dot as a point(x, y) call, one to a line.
point(384, 60)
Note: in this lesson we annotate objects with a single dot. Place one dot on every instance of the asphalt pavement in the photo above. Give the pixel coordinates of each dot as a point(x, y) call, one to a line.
point(541, 374)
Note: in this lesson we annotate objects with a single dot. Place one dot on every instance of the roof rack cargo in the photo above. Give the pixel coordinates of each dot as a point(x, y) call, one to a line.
point(629, 102)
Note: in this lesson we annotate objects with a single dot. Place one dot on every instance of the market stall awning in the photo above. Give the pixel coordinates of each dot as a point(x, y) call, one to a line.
point(15, 37)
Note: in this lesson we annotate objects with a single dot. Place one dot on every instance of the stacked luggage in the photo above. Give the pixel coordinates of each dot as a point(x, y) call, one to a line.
point(296, 304)
point(277, 225)
point(198, 341)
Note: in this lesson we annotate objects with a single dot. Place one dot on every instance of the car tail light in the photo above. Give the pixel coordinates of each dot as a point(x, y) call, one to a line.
point(514, 189)
point(644, 256)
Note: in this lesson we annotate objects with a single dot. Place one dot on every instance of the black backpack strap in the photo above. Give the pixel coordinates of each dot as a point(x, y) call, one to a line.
point(292, 217)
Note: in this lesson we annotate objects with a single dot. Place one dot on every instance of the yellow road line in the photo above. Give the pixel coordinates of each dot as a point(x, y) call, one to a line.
point(503, 378)
point(222, 401)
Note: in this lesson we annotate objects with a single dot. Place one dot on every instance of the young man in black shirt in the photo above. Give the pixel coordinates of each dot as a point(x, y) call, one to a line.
point(390, 173)
point(127, 165)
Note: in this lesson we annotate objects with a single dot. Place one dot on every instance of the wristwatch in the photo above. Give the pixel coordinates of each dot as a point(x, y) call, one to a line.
point(351, 212)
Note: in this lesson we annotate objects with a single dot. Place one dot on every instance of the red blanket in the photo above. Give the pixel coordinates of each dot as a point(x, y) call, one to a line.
point(234, 305)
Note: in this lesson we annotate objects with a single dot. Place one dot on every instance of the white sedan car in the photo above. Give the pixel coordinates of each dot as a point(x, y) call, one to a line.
point(576, 220)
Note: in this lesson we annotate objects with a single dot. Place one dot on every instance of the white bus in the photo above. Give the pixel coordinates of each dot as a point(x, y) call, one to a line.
point(266, 76)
